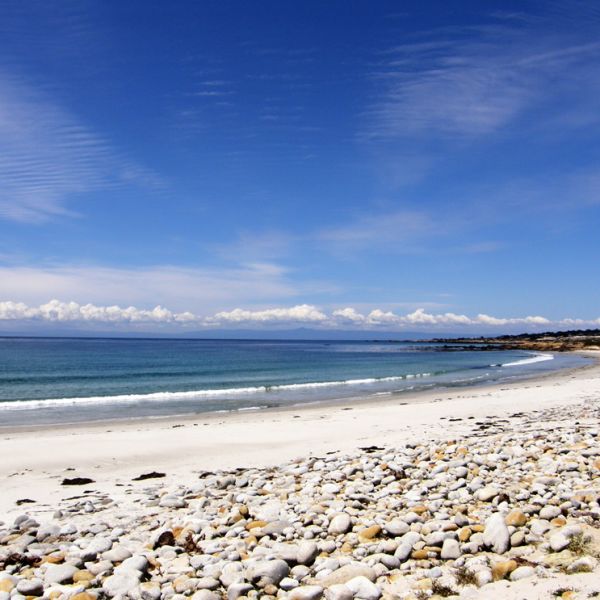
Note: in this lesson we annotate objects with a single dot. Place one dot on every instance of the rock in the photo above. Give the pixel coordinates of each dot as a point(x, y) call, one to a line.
point(307, 552)
point(97, 546)
point(207, 583)
point(30, 587)
point(235, 590)
point(369, 533)
point(516, 518)
point(138, 562)
point(522, 573)
point(124, 582)
point(166, 538)
point(150, 590)
point(348, 572)
point(396, 527)
point(503, 568)
point(205, 595)
point(231, 573)
point(549, 512)
point(287, 584)
point(585, 564)
point(306, 592)
point(363, 588)
point(496, 535)
point(450, 549)
point(273, 571)
point(483, 577)
point(59, 574)
point(487, 493)
point(172, 502)
point(340, 523)
point(559, 541)
point(339, 592)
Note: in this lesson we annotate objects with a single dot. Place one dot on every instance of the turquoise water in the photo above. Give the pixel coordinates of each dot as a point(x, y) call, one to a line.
point(60, 380)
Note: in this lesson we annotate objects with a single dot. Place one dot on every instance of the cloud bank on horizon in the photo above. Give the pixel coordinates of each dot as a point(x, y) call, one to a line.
point(56, 311)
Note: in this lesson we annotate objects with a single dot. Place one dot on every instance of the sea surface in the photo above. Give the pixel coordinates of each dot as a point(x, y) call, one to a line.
point(68, 380)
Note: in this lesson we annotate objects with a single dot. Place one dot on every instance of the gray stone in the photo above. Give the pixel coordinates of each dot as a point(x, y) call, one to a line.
point(273, 571)
point(363, 589)
point(121, 583)
point(348, 572)
point(306, 592)
point(339, 591)
point(340, 523)
point(450, 549)
point(396, 527)
point(59, 573)
point(522, 573)
point(235, 590)
point(30, 587)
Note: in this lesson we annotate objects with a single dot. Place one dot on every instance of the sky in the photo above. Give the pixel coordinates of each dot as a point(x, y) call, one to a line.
point(196, 166)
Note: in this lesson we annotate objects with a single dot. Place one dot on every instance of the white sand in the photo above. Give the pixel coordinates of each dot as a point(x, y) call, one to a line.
point(33, 462)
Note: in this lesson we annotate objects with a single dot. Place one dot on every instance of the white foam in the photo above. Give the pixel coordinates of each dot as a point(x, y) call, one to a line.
point(191, 395)
point(528, 361)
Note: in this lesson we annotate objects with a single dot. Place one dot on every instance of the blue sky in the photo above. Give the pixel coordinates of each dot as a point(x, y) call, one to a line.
point(428, 165)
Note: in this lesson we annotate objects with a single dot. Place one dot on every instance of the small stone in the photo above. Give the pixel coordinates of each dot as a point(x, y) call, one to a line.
point(450, 549)
point(306, 592)
point(364, 589)
point(339, 591)
point(235, 590)
point(59, 573)
point(522, 573)
point(30, 587)
point(487, 493)
point(121, 583)
point(516, 518)
point(205, 595)
point(501, 569)
point(273, 571)
point(396, 527)
point(549, 512)
point(82, 575)
point(307, 553)
point(348, 572)
point(559, 541)
point(340, 523)
point(369, 533)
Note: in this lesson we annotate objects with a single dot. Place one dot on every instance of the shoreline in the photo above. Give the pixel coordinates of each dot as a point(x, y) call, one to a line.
point(410, 396)
point(113, 452)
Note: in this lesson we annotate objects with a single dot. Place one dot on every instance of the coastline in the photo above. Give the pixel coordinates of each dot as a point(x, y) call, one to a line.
point(112, 453)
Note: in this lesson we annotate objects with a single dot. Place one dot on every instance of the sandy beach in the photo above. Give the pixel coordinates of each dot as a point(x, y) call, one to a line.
point(35, 460)
point(482, 492)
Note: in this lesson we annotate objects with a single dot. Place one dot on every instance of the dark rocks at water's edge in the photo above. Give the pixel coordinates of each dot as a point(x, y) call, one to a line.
point(549, 341)
point(426, 520)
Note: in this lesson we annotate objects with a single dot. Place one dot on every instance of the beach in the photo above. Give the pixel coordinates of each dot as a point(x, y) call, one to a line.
point(258, 465)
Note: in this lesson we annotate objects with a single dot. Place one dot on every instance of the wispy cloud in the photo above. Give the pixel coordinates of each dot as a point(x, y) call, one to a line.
point(477, 80)
point(199, 289)
point(48, 157)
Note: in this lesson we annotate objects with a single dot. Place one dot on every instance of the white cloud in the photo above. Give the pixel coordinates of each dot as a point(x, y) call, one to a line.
point(68, 312)
point(58, 312)
point(304, 313)
point(348, 315)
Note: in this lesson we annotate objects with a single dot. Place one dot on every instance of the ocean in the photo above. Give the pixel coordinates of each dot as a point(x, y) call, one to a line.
point(69, 380)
